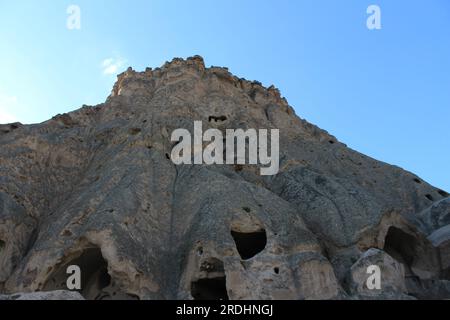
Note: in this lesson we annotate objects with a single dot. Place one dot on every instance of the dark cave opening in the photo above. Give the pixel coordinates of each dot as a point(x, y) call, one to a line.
point(217, 119)
point(104, 279)
point(96, 277)
point(211, 283)
point(249, 244)
point(135, 131)
point(445, 274)
point(96, 283)
point(2, 249)
point(400, 246)
point(209, 289)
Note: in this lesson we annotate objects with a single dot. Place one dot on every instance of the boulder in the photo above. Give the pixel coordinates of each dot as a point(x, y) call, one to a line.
point(392, 275)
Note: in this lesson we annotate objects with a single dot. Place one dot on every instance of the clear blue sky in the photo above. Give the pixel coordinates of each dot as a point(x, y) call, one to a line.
point(384, 92)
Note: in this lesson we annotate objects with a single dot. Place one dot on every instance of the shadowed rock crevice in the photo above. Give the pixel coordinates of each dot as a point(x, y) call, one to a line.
point(443, 193)
point(2, 249)
point(400, 245)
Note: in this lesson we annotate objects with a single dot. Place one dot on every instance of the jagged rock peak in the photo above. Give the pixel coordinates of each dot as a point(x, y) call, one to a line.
point(194, 66)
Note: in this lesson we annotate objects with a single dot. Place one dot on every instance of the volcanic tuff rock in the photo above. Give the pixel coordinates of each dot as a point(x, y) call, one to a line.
point(96, 188)
point(50, 295)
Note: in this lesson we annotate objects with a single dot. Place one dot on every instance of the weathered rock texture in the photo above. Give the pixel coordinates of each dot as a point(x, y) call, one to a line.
point(96, 188)
point(49, 295)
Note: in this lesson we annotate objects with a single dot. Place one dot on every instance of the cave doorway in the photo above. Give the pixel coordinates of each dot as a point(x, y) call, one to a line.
point(212, 283)
point(400, 246)
point(249, 244)
point(96, 283)
point(209, 289)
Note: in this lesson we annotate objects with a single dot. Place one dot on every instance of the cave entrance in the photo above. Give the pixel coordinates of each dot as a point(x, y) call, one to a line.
point(2, 248)
point(400, 246)
point(209, 289)
point(446, 274)
point(212, 283)
point(96, 283)
point(249, 244)
point(94, 271)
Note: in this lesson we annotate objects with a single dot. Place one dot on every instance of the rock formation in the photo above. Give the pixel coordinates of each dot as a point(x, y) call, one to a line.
point(49, 295)
point(96, 188)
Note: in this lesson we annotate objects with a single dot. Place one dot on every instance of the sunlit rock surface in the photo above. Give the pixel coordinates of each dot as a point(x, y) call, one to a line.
point(96, 188)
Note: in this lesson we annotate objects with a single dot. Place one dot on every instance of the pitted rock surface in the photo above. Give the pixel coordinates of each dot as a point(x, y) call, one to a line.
point(96, 188)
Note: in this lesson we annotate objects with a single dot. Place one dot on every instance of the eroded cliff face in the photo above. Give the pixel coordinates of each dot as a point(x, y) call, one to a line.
point(96, 188)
